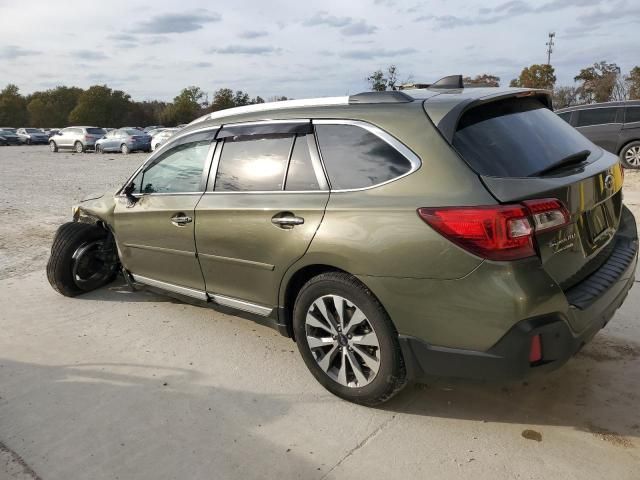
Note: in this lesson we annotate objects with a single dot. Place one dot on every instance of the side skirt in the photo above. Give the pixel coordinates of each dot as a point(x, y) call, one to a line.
point(231, 306)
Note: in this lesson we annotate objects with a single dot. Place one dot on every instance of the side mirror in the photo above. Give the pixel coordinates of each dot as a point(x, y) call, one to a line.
point(128, 192)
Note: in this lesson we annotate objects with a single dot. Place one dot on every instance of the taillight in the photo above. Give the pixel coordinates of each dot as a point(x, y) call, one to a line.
point(497, 232)
point(500, 232)
point(547, 214)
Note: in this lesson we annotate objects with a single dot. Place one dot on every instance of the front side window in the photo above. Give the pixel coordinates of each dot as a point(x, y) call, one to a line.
point(178, 170)
point(596, 116)
point(253, 163)
point(632, 115)
point(357, 158)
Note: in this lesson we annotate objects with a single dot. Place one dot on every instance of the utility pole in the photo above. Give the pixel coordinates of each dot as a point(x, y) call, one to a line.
point(550, 45)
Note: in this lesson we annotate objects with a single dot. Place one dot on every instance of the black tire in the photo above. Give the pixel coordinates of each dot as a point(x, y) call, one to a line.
point(99, 149)
point(78, 147)
point(629, 155)
point(68, 240)
point(53, 147)
point(124, 148)
point(391, 375)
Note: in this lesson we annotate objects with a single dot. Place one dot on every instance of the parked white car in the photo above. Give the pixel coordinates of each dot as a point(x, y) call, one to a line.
point(161, 137)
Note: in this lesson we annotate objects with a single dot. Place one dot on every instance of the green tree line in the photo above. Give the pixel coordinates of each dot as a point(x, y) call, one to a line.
point(600, 82)
point(103, 106)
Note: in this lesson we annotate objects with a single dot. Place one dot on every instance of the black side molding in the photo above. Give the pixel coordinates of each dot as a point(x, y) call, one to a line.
point(391, 96)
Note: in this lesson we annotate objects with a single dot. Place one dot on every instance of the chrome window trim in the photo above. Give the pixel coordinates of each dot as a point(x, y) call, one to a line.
point(158, 152)
point(189, 292)
point(405, 151)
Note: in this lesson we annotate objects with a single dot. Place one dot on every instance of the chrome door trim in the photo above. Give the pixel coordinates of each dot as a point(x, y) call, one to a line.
point(189, 292)
point(241, 305)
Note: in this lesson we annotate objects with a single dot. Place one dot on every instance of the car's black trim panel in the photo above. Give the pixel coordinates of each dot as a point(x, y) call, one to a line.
point(265, 128)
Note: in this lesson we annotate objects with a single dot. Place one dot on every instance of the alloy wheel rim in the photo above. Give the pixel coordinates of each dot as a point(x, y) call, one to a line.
point(632, 156)
point(342, 341)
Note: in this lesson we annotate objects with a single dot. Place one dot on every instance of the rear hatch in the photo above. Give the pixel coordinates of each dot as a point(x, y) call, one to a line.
point(523, 151)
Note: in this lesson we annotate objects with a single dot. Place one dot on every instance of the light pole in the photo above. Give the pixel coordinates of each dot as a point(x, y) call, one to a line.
point(550, 45)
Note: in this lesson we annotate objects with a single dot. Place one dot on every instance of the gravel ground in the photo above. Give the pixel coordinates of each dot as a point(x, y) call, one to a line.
point(120, 384)
point(38, 190)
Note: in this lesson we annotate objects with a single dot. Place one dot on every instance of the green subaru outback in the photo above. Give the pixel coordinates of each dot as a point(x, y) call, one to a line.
point(443, 231)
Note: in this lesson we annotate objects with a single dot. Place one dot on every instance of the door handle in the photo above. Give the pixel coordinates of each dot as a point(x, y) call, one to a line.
point(286, 220)
point(180, 219)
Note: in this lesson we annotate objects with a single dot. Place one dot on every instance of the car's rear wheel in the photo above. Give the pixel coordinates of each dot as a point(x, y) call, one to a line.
point(124, 148)
point(630, 155)
point(347, 340)
point(99, 149)
point(53, 147)
point(28, 142)
point(83, 258)
point(78, 147)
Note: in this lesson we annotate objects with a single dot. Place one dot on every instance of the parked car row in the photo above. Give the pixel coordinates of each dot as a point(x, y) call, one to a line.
point(614, 126)
point(86, 138)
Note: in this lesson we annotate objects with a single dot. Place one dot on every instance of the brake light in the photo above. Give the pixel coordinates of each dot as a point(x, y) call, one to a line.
point(497, 232)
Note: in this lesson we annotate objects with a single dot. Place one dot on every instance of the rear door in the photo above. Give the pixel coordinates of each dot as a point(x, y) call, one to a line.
point(155, 235)
point(601, 125)
point(518, 147)
point(265, 199)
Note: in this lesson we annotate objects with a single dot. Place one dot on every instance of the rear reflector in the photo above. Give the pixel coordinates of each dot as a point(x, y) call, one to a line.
point(497, 232)
point(535, 351)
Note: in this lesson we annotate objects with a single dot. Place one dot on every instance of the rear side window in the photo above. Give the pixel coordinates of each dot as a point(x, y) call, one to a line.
point(632, 115)
point(515, 138)
point(95, 131)
point(596, 116)
point(253, 163)
point(357, 158)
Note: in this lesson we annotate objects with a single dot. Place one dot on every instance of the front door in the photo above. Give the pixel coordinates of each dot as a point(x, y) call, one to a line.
point(155, 235)
point(260, 212)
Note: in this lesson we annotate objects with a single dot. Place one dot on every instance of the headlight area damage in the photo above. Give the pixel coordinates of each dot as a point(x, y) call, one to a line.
point(84, 254)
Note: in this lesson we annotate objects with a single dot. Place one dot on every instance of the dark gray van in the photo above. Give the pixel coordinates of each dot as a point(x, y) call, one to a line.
point(615, 126)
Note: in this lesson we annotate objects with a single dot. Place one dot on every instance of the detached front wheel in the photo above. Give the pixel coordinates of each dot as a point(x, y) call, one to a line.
point(83, 258)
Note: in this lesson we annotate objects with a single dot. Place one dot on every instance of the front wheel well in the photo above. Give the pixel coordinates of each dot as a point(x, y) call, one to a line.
point(626, 144)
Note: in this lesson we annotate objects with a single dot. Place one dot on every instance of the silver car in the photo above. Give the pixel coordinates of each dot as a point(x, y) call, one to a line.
point(161, 137)
point(78, 139)
point(32, 136)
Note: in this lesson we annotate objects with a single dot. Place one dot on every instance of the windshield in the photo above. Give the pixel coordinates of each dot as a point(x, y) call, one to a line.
point(32, 130)
point(133, 131)
point(516, 138)
point(7, 132)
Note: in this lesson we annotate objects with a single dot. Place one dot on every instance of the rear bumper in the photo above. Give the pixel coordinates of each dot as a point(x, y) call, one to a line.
point(592, 304)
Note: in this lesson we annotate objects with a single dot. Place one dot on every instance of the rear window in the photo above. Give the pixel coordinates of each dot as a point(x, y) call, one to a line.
point(132, 131)
point(515, 138)
point(95, 131)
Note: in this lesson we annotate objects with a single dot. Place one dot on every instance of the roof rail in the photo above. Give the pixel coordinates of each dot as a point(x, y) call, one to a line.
point(391, 96)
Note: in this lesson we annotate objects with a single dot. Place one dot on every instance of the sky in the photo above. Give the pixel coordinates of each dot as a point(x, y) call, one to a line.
point(301, 49)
